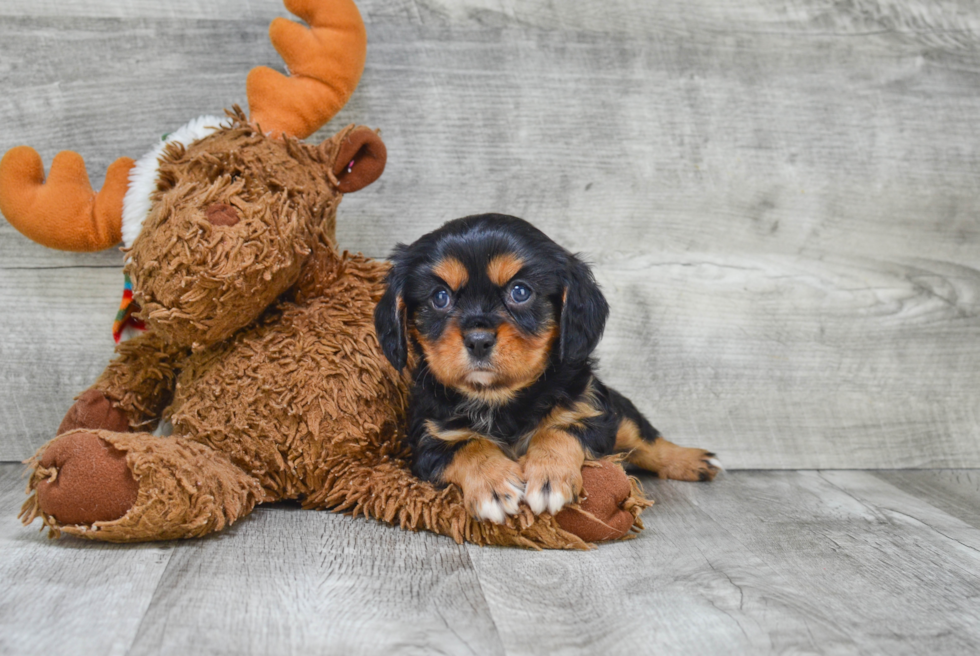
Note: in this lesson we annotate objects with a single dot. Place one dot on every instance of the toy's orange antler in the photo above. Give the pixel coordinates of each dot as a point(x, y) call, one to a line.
point(325, 60)
point(64, 212)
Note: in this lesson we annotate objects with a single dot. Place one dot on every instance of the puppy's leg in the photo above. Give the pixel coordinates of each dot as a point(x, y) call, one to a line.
point(553, 470)
point(491, 482)
point(647, 449)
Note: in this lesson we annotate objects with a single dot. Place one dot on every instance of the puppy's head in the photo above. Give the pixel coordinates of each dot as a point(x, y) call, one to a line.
point(490, 301)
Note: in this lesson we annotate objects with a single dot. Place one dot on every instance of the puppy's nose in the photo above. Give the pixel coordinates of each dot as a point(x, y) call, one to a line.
point(221, 214)
point(479, 343)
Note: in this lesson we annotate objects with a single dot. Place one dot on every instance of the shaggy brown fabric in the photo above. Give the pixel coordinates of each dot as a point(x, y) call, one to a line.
point(198, 283)
point(262, 353)
point(185, 490)
point(140, 380)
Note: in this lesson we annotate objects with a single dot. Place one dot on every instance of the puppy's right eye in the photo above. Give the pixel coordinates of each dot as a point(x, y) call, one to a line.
point(440, 300)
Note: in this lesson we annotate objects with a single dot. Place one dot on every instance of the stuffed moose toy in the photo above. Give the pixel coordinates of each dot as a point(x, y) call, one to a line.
point(251, 372)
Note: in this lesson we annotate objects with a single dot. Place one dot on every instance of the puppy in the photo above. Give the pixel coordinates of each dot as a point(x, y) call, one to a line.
point(501, 322)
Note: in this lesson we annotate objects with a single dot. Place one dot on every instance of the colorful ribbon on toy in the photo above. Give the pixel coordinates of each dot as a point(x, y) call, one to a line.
point(127, 308)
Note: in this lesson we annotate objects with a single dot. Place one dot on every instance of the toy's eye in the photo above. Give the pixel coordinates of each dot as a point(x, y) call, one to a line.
point(519, 293)
point(440, 300)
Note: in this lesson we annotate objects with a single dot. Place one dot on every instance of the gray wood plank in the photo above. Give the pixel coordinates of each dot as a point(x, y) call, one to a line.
point(902, 508)
point(944, 23)
point(828, 562)
point(56, 328)
point(69, 596)
point(757, 562)
point(781, 195)
point(955, 491)
point(843, 362)
point(288, 581)
point(797, 362)
point(676, 139)
point(896, 583)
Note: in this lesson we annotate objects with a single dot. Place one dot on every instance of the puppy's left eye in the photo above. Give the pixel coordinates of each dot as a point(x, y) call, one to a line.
point(520, 293)
point(440, 300)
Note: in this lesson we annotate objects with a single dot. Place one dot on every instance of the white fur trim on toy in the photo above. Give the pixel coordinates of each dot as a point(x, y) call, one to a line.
point(143, 176)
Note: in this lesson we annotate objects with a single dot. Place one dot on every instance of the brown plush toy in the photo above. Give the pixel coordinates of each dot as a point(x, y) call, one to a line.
point(252, 373)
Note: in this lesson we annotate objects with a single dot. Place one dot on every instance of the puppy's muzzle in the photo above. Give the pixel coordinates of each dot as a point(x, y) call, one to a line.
point(479, 343)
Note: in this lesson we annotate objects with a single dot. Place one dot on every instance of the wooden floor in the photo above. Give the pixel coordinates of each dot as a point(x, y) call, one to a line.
point(758, 562)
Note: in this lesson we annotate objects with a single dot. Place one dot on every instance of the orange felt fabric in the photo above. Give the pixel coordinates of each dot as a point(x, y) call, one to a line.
point(63, 213)
point(326, 61)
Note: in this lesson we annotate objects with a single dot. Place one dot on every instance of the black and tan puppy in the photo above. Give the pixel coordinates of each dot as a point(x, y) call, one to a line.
point(502, 322)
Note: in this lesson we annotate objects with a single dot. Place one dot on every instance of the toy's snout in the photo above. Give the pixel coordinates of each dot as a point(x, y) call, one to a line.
point(222, 214)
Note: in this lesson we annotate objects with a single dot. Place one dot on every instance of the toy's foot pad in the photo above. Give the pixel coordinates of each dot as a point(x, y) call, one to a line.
point(600, 515)
point(86, 480)
point(93, 411)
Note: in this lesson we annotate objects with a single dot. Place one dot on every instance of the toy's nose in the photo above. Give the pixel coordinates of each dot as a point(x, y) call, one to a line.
point(479, 343)
point(222, 214)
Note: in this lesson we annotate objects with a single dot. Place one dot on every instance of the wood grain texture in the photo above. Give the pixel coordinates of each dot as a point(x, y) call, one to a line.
point(780, 194)
point(831, 562)
point(789, 562)
point(69, 596)
point(288, 581)
point(953, 491)
point(793, 361)
point(830, 363)
point(56, 328)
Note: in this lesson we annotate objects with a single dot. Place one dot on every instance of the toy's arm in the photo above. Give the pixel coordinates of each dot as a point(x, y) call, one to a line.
point(133, 390)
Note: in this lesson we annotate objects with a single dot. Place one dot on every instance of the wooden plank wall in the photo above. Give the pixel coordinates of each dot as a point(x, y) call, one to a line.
point(780, 196)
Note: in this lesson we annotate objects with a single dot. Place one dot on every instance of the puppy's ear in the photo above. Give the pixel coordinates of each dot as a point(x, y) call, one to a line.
point(583, 312)
point(390, 315)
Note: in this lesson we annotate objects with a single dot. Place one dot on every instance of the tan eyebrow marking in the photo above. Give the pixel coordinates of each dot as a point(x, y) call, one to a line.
point(504, 267)
point(452, 271)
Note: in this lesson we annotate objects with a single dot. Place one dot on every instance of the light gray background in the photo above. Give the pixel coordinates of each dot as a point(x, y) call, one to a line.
point(780, 197)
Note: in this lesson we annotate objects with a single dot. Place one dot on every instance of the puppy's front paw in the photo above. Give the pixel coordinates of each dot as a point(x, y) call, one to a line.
point(551, 483)
point(494, 500)
point(494, 490)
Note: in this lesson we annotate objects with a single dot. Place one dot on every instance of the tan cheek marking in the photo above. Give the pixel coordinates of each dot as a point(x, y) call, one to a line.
point(521, 359)
point(452, 272)
point(664, 458)
point(504, 267)
point(445, 355)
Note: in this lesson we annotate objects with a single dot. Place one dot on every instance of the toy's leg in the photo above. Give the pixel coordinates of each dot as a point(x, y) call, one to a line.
point(385, 489)
point(133, 487)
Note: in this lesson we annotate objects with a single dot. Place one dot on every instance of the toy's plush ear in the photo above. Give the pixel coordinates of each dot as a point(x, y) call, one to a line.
point(390, 316)
point(584, 312)
point(360, 159)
